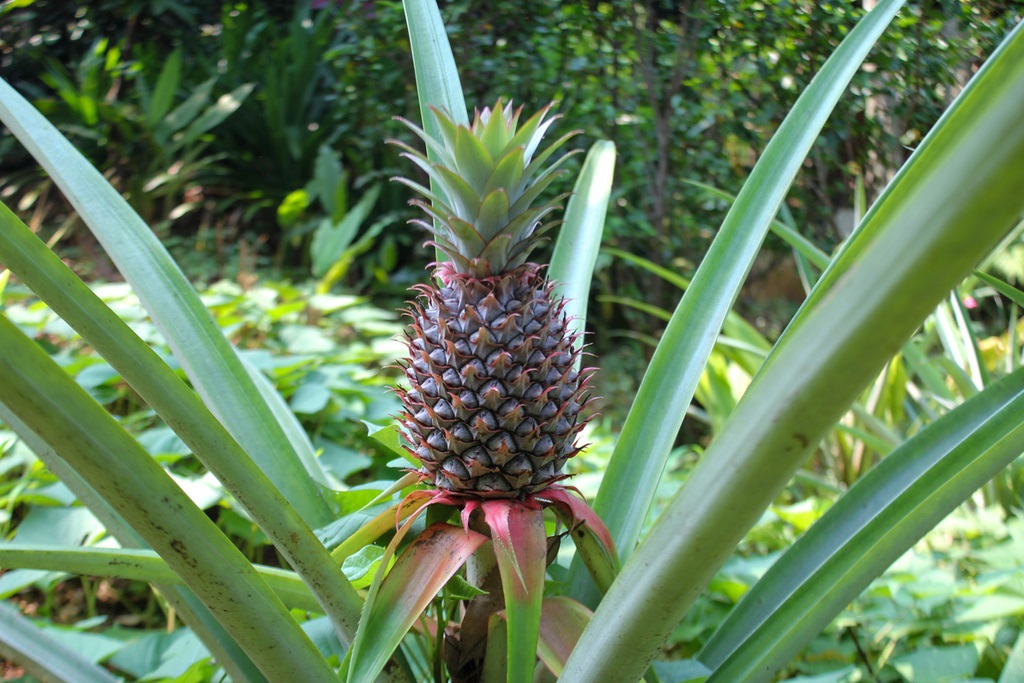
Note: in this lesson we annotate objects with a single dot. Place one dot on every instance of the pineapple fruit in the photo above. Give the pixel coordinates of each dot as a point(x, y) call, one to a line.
point(495, 400)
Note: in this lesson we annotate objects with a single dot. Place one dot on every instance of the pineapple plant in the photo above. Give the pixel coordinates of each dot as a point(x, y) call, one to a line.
point(496, 396)
point(495, 400)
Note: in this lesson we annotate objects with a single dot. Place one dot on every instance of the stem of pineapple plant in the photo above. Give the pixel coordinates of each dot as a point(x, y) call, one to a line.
point(521, 550)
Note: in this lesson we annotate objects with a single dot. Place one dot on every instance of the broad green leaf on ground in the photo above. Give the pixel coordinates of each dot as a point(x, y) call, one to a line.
point(42, 655)
point(938, 664)
point(158, 656)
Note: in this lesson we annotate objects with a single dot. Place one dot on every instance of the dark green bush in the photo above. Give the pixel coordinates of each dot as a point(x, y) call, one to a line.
point(687, 90)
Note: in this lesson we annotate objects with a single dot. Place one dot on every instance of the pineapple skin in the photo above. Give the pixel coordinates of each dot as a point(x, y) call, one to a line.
point(495, 402)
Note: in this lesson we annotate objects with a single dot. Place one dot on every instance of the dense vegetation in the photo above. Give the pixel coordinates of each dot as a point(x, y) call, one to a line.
point(949, 610)
point(251, 138)
point(236, 129)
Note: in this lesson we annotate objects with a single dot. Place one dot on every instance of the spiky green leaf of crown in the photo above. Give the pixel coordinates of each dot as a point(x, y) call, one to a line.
point(487, 177)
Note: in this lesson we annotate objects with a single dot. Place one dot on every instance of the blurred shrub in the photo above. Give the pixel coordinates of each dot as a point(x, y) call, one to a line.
point(686, 89)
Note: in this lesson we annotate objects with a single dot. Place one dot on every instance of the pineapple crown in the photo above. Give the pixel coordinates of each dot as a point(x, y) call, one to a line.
point(486, 176)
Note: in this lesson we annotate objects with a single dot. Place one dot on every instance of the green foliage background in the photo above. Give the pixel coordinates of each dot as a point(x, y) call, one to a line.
point(687, 90)
point(249, 134)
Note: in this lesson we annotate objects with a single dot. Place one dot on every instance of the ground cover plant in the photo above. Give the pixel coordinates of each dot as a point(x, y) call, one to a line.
point(605, 611)
point(962, 574)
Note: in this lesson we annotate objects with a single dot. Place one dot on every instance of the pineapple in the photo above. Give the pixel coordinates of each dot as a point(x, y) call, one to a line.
point(495, 399)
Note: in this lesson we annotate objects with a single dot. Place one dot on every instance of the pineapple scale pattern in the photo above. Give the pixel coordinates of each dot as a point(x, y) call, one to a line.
point(494, 404)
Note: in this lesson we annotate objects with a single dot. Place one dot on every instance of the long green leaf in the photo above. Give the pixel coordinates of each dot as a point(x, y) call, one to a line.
point(215, 114)
point(665, 274)
point(654, 419)
point(636, 304)
point(332, 239)
point(879, 519)
point(49, 402)
point(115, 525)
point(1010, 292)
point(972, 353)
point(139, 565)
point(192, 611)
point(1014, 669)
point(734, 325)
point(801, 244)
point(289, 423)
point(165, 90)
point(174, 306)
point(952, 202)
point(158, 385)
point(579, 241)
point(437, 77)
point(42, 656)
